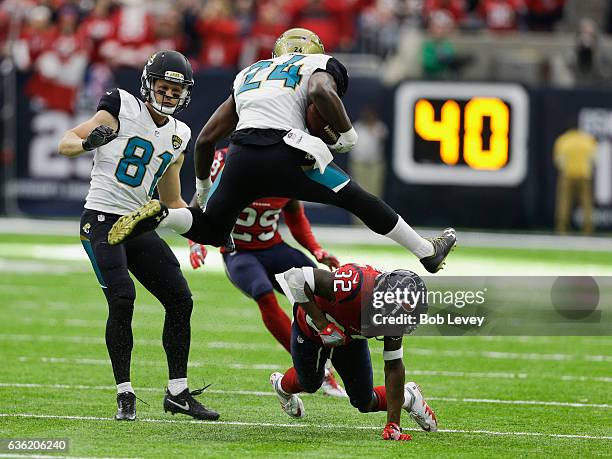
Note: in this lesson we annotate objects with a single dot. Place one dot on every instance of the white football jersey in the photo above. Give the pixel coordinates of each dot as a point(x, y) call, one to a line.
point(272, 94)
point(126, 170)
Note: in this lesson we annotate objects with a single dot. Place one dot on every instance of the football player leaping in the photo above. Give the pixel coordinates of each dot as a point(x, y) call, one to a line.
point(327, 314)
point(260, 253)
point(139, 147)
point(270, 154)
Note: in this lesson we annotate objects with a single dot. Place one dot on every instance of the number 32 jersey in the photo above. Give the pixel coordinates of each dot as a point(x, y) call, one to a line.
point(353, 288)
point(126, 170)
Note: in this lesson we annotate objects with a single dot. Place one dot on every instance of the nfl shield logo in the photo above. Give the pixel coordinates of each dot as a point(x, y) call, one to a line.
point(176, 142)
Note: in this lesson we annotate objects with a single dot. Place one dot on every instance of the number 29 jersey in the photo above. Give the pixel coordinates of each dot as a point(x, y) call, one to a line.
point(126, 170)
point(272, 94)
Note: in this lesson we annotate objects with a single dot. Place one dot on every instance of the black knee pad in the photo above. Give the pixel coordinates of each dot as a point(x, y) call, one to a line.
point(121, 308)
point(361, 404)
point(311, 385)
point(182, 307)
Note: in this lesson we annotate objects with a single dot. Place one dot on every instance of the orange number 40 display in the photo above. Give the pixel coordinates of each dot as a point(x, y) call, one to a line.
point(466, 134)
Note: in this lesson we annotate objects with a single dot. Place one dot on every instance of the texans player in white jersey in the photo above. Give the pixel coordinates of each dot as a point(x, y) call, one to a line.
point(271, 154)
point(139, 147)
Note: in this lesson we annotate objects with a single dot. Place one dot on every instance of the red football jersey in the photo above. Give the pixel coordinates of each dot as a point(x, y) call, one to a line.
point(257, 226)
point(353, 287)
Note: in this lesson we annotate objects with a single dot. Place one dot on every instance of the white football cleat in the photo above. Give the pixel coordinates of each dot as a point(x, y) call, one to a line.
point(419, 409)
point(331, 387)
point(291, 404)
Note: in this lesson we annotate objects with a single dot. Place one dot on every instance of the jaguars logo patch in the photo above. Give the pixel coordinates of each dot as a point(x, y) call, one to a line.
point(176, 142)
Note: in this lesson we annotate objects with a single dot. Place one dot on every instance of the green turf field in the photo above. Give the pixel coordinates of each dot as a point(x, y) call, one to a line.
point(494, 396)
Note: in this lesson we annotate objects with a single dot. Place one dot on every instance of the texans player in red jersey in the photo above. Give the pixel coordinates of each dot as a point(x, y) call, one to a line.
point(328, 315)
point(260, 253)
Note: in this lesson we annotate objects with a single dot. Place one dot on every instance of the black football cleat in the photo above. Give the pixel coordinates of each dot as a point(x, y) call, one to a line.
point(185, 403)
point(144, 219)
point(126, 406)
point(442, 247)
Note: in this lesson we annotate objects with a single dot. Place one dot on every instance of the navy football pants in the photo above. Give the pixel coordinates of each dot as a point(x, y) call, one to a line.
point(151, 261)
point(253, 271)
point(352, 362)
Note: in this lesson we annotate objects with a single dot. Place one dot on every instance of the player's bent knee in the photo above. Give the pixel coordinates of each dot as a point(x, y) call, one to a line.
point(363, 405)
point(310, 385)
point(182, 307)
point(121, 308)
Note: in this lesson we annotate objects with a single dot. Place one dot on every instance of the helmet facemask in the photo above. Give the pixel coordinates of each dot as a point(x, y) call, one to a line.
point(148, 93)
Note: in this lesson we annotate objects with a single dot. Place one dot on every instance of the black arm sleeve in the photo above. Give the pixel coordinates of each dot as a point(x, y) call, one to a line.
point(338, 71)
point(111, 102)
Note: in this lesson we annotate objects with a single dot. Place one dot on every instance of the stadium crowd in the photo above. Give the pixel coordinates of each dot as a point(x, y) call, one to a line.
point(224, 33)
point(64, 43)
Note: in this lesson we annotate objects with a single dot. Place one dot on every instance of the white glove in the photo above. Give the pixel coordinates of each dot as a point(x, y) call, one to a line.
point(345, 142)
point(202, 189)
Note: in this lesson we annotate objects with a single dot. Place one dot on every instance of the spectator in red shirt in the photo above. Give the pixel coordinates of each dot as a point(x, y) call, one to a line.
point(318, 16)
point(271, 22)
point(36, 37)
point(501, 15)
point(98, 26)
point(220, 33)
point(132, 42)
point(60, 68)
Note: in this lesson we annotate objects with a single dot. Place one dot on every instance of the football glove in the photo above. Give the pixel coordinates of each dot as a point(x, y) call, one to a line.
point(98, 137)
point(393, 432)
point(332, 336)
point(346, 141)
point(197, 254)
point(326, 258)
point(202, 188)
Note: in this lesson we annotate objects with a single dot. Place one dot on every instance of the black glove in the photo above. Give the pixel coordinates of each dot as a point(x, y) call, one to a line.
point(98, 137)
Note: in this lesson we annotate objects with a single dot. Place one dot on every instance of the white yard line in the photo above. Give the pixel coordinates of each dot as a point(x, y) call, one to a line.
point(271, 394)
point(302, 426)
point(41, 258)
point(41, 456)
point(494, 355)
point(276, 366)
point(353, 235)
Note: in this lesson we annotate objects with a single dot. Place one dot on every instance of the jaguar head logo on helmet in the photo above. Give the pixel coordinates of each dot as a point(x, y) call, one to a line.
point(166, 82)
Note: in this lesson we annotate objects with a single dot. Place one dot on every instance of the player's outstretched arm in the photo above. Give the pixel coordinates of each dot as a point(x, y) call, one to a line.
point(169, 185)
point(394, 378)
point(96, 131)
point(300, 229)
point(220, 125)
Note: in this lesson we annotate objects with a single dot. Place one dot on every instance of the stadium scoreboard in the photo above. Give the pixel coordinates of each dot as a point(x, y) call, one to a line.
point(461, 134)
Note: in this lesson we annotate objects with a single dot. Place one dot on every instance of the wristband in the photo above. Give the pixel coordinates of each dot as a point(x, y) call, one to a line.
point(349, 136)
point(393, 355)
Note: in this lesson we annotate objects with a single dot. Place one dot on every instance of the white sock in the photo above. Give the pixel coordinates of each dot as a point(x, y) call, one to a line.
point(179, 220)
point(405, 236)
point(176, 386)
point(125, 387)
